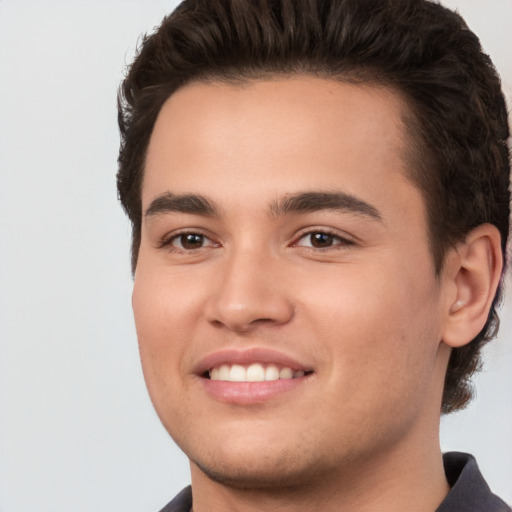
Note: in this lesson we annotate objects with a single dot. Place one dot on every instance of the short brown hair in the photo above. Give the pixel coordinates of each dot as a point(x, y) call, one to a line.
point(458, 117)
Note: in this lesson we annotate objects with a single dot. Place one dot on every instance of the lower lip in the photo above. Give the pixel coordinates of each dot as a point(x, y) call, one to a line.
point(245, 393)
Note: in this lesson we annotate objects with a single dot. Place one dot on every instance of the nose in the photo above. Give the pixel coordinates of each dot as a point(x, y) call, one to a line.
point(250, 292)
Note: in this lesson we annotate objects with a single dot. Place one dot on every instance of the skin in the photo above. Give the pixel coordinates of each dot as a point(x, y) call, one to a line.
point(365, 311)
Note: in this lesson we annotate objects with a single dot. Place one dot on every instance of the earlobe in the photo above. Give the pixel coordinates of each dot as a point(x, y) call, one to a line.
point(476, 278)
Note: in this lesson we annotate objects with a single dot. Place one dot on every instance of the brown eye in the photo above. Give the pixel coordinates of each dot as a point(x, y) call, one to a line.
point(321, 240)
point(189, 241)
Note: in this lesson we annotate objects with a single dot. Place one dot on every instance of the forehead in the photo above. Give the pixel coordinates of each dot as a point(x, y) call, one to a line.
point(316, 132)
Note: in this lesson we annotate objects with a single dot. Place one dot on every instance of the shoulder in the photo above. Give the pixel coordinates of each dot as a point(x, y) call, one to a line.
point(469, 491)
point(181, 503)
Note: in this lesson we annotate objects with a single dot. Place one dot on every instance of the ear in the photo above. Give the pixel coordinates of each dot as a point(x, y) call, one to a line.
point(473, 271)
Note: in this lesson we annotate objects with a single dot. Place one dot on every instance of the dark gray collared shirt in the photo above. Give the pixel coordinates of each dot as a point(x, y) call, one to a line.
point(469, 491)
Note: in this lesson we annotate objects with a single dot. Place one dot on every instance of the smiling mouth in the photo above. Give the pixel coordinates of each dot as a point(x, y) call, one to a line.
point(255, 372)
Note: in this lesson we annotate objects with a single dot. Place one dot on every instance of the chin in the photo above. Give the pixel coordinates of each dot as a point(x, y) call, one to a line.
point(262, 468)
point(269, 475)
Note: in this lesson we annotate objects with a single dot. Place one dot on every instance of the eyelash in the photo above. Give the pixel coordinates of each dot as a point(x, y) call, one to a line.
point(168, 241)
point(337, 240)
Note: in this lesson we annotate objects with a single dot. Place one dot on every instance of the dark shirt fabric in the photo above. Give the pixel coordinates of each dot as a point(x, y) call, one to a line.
point(469, 491)
point(181, 503)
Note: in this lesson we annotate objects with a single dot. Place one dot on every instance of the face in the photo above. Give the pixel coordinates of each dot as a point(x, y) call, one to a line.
point(285, 298)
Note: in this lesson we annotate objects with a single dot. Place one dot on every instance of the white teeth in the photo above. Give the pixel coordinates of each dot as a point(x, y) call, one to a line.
point(285, 373)
point(237, 373)
point(223, 372)
point(255, 372)
point(271, 372)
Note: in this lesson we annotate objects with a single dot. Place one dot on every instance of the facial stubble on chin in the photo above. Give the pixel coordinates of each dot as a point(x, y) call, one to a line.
point(277, 474)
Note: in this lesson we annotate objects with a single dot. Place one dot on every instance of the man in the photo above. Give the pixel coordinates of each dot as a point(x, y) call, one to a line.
point(319, 193)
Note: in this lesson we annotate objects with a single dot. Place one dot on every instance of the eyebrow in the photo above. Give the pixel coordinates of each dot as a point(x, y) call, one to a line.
point(307, 202)
point(187, 203)
point(304, 202)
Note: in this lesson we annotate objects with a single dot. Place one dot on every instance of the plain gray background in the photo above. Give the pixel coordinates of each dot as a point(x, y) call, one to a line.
point(77, 430)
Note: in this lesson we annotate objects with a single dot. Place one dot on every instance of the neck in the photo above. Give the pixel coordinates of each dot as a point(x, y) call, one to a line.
point(400, 479)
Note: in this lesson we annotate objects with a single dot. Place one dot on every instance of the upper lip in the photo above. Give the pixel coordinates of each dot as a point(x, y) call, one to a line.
point(248, 356)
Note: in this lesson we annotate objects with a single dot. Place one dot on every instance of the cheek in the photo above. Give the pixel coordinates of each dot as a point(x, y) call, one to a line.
point(160, 320)
point(382, 328)
point(164, 303)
